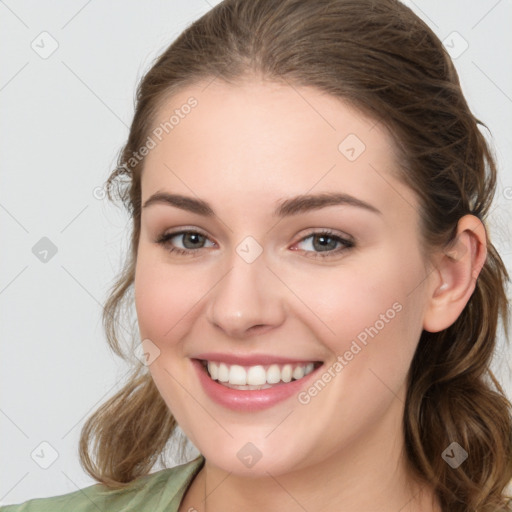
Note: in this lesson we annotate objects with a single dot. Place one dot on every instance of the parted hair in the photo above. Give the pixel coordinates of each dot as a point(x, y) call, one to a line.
point(385, 61)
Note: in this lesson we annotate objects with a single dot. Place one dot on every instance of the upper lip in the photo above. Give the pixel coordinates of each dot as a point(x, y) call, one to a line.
point(251, 360)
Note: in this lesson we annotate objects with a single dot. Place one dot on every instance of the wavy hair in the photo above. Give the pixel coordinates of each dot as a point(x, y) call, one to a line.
point(385, 61)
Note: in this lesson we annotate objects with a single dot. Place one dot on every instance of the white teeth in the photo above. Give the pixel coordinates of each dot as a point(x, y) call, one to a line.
point(298, 372)
point(223, 373)
point(214, 371)
point(256, 375)
point(237, 375)
point(286, 373)
point(247, 377)
point(232, 386)
point(273, 374)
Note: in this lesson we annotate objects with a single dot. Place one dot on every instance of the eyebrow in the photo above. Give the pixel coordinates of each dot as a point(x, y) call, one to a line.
point(285, 207)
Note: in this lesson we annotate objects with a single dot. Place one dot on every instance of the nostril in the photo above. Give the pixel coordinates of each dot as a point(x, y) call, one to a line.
point(260, 329)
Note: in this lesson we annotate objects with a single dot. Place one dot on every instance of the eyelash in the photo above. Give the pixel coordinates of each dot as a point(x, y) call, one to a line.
point(166, 237)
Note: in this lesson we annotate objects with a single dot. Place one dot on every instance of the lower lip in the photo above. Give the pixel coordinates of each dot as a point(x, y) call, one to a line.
point(249, 400)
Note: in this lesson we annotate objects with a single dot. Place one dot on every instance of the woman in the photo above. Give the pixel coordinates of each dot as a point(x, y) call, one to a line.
point(316, 293)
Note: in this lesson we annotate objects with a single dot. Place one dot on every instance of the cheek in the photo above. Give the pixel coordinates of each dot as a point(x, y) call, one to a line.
point(151, 303)
point(165, 297)
point(371, 320)
point(353, 297)
point(371, 323)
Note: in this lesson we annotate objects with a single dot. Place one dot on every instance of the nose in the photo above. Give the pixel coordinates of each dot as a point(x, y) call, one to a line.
point(247, 300)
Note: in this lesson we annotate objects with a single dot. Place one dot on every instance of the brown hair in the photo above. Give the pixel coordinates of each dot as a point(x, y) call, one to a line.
point(385, 61)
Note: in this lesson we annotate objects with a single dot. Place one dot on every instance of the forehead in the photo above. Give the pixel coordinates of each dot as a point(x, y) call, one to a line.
point(264, 139)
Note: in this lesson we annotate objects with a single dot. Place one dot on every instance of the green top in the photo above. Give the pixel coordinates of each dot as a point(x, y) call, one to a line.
point(157, 492)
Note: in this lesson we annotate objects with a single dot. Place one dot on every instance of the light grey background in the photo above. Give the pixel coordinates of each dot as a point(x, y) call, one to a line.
point(63, 120)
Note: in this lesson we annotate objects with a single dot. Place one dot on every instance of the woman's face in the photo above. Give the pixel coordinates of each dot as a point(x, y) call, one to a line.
point(258, 281)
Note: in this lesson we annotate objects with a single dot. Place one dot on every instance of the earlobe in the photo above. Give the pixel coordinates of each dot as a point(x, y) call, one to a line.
point(453, 280)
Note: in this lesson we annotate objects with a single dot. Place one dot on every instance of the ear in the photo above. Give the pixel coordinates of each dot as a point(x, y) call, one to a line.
point(456, 269)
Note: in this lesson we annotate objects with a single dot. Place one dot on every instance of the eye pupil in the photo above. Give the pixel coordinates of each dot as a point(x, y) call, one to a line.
point(323, 243)
point(190, 235)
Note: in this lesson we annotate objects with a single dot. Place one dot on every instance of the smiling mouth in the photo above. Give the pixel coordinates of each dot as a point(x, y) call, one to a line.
point(258, 376)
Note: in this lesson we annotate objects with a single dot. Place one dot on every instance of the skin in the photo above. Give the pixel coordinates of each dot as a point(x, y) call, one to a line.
point(243, 148)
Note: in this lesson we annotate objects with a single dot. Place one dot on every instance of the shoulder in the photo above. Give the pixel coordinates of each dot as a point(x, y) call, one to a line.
point(160, 491)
